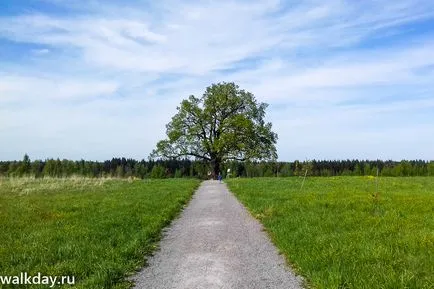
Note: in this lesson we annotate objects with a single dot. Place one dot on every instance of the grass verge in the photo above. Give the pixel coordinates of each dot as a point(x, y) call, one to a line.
point(339, 233)
point(96, 230)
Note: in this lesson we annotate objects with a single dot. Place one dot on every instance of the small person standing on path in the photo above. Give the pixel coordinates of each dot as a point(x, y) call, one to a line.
point(219, 177)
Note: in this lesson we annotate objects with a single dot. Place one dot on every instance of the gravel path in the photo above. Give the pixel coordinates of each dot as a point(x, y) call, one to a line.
point(216, 243)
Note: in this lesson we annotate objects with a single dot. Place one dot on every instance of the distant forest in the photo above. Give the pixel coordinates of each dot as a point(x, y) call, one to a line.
point(126, 168)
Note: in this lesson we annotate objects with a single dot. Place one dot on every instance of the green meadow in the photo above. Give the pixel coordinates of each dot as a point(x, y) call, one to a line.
point(340, 232)
point(93, 229)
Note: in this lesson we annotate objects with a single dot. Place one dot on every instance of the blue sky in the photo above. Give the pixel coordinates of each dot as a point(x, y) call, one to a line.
point(100, 79)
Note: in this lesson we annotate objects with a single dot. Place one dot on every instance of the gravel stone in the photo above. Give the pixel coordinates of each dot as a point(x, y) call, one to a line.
point(216, 243)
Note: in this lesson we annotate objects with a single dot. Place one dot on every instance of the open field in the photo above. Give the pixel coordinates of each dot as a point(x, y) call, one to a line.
point(339, 234)
point(96, 230)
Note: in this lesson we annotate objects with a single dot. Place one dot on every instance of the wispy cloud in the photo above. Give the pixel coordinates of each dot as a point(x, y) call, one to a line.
point(41, 51)
point(108, 77)
point(19, 89)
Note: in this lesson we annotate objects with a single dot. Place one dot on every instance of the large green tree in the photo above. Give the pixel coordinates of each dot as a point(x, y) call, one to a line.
point(226, 123)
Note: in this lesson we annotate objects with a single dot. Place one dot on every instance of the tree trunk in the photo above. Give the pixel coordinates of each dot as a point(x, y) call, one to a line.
point(216, 167)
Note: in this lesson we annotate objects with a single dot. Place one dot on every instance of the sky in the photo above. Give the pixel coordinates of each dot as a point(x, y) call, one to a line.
point(94, 79)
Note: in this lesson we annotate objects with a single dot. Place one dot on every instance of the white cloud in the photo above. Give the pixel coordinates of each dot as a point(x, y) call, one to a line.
point(37, 89)
point(114, 75)
point(40, 51)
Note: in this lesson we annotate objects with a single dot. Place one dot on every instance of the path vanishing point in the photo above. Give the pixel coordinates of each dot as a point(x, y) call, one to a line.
point(216, 243)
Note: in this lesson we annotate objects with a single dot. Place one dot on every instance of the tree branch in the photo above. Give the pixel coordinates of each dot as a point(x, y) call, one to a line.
point(193, 155)
point(235, 159)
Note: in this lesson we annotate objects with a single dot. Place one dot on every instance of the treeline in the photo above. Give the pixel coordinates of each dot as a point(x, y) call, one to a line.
point(116, 167)
point(125, 168)
point(327, 168)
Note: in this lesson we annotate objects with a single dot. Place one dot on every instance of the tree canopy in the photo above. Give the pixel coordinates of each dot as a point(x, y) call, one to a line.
point(226, 123)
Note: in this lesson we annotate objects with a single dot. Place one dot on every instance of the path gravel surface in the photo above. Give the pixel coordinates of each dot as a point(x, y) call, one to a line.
point(216, 243)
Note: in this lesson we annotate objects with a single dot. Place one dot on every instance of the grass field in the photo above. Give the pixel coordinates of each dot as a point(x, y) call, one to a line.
point(338, 233)
point(95, 230)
